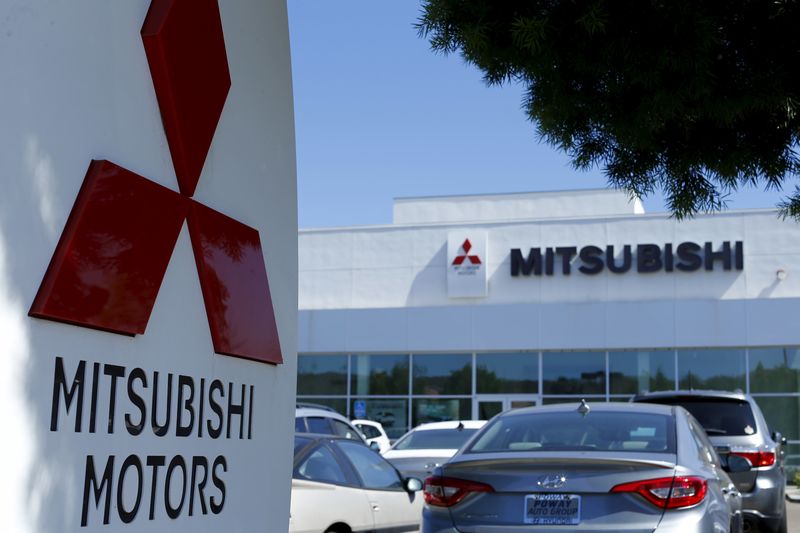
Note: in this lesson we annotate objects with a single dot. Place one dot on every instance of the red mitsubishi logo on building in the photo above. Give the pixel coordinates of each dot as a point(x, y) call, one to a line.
point(110, 261)
point(466, 247)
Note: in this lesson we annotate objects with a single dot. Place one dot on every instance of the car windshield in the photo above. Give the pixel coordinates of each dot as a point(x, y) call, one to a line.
point(570, 431)
point(435, 439)
point(718, 416)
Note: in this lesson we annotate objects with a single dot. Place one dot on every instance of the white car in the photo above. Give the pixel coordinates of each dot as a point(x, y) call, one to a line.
point(326, 422)
point(374, 433)
point(341, 486)
point(427, 446)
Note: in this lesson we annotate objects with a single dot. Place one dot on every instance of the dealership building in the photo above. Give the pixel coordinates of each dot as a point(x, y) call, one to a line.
point(468, 305)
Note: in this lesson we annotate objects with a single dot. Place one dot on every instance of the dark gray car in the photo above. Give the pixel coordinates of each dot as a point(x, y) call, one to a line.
point(590, 468)
point(735, 425)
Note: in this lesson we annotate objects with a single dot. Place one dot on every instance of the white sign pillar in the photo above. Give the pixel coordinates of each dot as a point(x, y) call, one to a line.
point(148, 271)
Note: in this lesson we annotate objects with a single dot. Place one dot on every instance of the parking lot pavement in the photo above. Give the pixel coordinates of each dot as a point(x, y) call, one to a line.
point(793, 520)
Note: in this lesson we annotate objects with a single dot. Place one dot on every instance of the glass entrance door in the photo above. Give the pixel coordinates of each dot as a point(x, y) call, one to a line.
point(486, 406)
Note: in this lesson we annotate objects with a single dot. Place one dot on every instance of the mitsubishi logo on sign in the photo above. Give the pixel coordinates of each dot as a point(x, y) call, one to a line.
point(466, 264)
point(466, 247)
point(108, 266)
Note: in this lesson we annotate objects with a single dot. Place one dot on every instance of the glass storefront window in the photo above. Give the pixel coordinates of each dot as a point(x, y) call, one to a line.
point(576, 401)
point(774, 369)
point(782, 414)
point(440, 410)
point(379, 374)
point(716, 369)
point(507, 373)
point(322, 374)
point(574, 372)
point(391, 413)
point(633, 372)
point(443, 374)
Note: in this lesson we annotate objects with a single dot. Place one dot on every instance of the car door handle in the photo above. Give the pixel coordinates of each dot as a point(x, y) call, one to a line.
point(375, 506)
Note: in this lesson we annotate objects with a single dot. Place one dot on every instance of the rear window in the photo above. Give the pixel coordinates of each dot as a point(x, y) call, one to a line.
point(435, 439)
point(718, 416)
point(317, 424)
point(597, 431)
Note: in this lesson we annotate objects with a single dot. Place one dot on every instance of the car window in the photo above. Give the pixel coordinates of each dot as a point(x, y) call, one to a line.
point(318, 424)
point(300, 443)
point(704, 446)
point(602, 431)
point(719, 416)
point(374, 470)
point(371, 432)
point(344, 430)
point(437, 439)
point(321, 465)
point(300, 424)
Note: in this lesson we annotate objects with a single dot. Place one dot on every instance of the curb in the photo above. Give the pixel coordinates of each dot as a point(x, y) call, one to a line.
point(793, 494)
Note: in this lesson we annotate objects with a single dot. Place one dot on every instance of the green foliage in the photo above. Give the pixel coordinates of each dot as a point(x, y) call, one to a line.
point(796, 477)
point(693, 97)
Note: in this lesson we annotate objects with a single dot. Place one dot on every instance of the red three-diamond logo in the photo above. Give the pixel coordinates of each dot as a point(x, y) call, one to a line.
point(108, 265)
point(466, 247)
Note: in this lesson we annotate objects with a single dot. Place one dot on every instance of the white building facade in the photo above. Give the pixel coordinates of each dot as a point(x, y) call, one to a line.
point(468, 305)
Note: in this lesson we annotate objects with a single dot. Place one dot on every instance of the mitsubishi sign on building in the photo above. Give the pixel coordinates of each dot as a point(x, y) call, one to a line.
point(147, 266)
point(468, 305)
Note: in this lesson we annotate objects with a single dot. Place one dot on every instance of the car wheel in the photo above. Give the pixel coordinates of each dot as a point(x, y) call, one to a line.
point(338, 528)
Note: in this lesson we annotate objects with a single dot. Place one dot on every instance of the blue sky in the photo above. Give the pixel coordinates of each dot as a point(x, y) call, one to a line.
point(378, 116)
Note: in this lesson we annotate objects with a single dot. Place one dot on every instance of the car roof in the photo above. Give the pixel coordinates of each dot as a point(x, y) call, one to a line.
point(313, 411)
point(450, 424)
point(692, 393)
point(597, 407)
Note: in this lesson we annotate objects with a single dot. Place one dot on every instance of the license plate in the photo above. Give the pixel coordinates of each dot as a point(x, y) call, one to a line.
point(553, 509)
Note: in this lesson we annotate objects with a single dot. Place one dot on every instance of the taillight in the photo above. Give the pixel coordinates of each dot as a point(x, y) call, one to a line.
point(447, 491)
point(757, 459)
point(668, 492)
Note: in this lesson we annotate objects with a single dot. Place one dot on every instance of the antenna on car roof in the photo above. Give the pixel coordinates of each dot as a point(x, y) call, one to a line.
point(460, 426)
point(583, 408)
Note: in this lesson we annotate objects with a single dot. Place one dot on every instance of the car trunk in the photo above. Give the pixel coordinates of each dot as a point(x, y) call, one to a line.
point(558, 489)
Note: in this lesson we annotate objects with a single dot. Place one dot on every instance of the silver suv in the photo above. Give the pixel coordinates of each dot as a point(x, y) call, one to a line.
point(735, 425)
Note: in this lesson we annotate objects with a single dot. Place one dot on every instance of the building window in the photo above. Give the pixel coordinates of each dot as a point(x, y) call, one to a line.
point(719, 369)
point(390, 412)
point(442, 374)
point(504, 373)
point(322, 374)
point(439, 410)
point(632, 372)
point(774, 370)
point(574, 372)
point(782, 414)
point(379, 375)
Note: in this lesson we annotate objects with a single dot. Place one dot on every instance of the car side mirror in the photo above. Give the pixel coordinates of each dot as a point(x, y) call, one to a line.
point(413, 484)
point(374, 446)
point(734, 463)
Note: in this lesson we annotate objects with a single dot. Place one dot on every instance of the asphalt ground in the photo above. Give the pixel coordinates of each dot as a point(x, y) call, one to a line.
point(793, 521)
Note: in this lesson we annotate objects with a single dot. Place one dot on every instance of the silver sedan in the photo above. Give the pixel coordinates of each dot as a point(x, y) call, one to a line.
point(588, 468)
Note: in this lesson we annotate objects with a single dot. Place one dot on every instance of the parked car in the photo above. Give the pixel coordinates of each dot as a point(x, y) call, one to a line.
point(601, 467)
point(374, 433)
point(736, 425)
point(324, 421)
point(340, 486)
point(427, 446)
